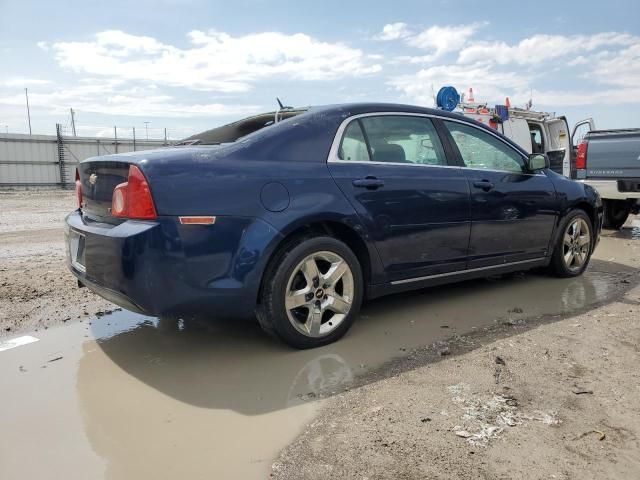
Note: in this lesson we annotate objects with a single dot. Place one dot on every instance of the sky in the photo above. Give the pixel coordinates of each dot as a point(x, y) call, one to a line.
point(190, 65)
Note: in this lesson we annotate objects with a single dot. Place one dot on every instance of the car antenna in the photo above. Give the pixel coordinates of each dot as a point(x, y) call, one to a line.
point(280, 108)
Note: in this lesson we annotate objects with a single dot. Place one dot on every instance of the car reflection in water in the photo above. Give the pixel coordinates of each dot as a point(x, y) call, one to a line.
point(230, 364)
point(216, 393)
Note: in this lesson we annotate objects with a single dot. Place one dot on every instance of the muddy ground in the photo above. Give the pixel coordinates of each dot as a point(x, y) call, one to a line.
point(36, 289)
point(542, 398)
point(561, 401)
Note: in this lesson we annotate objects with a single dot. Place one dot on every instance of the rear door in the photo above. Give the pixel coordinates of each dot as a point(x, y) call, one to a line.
point(558, 146)
point(415, 206)
point(513, 212)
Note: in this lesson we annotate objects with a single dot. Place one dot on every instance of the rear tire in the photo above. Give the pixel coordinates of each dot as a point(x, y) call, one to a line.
point(616, 213)
point(312, 291)
point(574, 245)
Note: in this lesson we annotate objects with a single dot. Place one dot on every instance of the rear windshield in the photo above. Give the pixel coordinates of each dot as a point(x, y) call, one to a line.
point(233, 131)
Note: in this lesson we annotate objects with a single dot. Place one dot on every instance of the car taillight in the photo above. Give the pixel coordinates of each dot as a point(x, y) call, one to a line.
point(78, 189)
point(132, 199)
point(581, 157)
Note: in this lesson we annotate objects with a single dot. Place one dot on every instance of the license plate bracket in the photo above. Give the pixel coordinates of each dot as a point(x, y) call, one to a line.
point(76, 250)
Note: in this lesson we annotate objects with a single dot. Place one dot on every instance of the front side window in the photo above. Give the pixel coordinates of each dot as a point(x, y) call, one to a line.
point(484, 151)
point(392, 139)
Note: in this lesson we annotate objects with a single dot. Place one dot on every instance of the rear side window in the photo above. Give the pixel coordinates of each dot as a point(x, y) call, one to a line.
point(353, 146)
point(484, 151)
point(392, 139)
point(403, 139)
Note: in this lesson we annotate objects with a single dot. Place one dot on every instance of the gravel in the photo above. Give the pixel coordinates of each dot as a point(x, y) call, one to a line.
point(36, 289)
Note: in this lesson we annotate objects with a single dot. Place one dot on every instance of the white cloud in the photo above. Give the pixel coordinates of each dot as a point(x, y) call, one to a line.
point(572, 98)
point(112, 98)
point(215, 61)
point(621, 68)
point(579, 60)
point(540, 48)
point(418, 87)
point(439, 40)
point(497, 69)
point(517, 86)
point(393, 31)
point(23, 82)
point(436, 40)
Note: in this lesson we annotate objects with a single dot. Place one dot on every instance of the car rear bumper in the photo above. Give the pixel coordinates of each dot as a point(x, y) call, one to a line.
point(608, 190)
point(162, 267)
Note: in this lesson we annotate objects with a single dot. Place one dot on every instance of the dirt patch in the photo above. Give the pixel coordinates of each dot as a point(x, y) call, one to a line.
point(36, 289)
point(559, 401)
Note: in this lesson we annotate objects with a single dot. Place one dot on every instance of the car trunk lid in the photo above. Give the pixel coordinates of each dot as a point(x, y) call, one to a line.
point(99, 178)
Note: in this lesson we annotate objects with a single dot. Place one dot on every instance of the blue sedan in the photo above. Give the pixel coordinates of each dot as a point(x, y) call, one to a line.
point(298, 216)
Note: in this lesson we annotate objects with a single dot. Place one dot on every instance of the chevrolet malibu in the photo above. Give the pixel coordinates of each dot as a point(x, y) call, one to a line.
point(298, 216)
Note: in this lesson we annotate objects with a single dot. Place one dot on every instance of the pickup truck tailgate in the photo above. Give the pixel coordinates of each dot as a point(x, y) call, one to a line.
point(613, 154)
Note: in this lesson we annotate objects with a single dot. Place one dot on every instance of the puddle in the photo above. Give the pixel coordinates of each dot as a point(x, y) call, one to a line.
point(230, 364)
point(140, 397)
point(631, 230)
point(635, 229)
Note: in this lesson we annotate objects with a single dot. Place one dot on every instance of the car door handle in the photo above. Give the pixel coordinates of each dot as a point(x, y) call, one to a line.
point(485, 185)
point(370, 183)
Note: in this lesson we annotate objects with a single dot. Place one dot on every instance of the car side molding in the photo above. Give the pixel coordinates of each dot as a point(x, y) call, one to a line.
point(469, 270)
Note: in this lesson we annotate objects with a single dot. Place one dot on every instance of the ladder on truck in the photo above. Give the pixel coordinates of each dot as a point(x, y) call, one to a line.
point(485, 109)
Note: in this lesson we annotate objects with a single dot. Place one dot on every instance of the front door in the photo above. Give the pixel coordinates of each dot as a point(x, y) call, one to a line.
point(415, 206)
point(513, 211)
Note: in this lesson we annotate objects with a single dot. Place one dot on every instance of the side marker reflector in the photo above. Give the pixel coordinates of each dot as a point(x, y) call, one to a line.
point(197, 220)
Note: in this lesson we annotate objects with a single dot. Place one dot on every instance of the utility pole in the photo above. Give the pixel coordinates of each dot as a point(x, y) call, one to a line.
point(165, 136)
point(26, 94)
point(146, 127)
point(115, 138)
point(134, 139)
point(73, 121)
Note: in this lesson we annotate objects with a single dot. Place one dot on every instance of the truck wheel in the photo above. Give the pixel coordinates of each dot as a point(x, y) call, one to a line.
point(616, 213)
point(311, 292)
point(574, 245)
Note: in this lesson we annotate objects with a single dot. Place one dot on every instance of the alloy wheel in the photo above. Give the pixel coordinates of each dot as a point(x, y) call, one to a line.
point(319, 293)
point(576, 244)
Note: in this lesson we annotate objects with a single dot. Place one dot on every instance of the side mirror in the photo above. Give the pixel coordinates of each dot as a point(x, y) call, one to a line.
point(537, 162)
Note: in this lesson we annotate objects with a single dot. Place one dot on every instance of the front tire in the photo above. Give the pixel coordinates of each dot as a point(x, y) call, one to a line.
point(312, 291)
point(616, 213)
point(574, 245)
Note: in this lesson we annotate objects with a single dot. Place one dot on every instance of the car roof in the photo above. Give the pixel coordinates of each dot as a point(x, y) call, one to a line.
point(337, 112)
point(372, 107)
point(351, 109)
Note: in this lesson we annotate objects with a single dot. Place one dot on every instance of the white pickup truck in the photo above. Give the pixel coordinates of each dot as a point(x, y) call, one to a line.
point(608, 160)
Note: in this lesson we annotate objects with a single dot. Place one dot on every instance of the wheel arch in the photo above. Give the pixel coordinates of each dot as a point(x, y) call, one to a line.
point(591, 212)
point(355, 240)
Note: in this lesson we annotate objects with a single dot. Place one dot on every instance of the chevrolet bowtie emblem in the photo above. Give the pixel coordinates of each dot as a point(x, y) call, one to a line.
point(93, 179)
